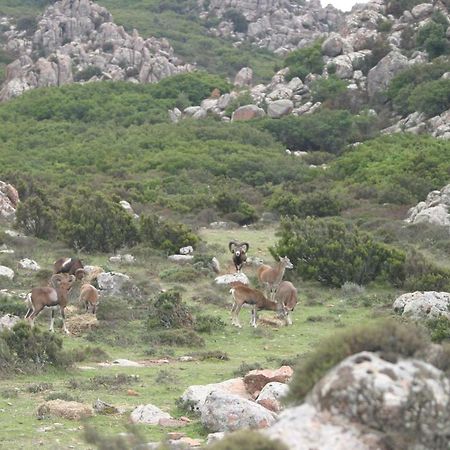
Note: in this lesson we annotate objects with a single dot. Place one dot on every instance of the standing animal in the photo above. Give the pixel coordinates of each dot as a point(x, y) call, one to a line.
point(72, 266)
point(286, 295)
point(52, 297)
point(239, 251)
point(243, 294)
point(271, 277)
point(88, 296)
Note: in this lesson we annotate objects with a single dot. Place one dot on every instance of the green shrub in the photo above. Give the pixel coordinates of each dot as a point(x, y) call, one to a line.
point(387, 337)
point(305, 60)
point(207, 323)
point(168, 311)
point(247, 439)
point(36, 217)
point(178, 338)
point(184, 274)
point(10, 306)
point(27, 23)
point(384, 26)
point(432, 36)
point(431, 98)
point(238, 19)
point(87, 73)
point(328, 90)
point(333, 252)
point(380, 49)
point(95, 223)
point(112, 308)
point(241, 100)
point(439, 329)
point(211, 354)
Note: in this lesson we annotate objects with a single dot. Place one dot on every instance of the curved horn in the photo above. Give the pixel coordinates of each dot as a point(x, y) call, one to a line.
point(72, 278)
point(247, 245)
point(55, 279)
point(231, 246)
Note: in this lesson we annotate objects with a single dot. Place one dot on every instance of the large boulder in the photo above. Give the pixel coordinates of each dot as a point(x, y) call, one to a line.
point(194, 396)
point(255, 380)
point(423, 305)
point(271, 395)
point(65, 410)
point(9, 199)
point(228, 412)
point(280, 108)
point(112, 282)
point(333, 45)
point(148, 414)
point(8, 321)
point(6, 272)
point(244, 77)
point(380, 76)
point(434, 210)
point(29, 264)
point(248, 112)
point(232, 278)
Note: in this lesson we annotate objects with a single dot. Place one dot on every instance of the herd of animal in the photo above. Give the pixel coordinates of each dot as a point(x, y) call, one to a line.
point(280, 296)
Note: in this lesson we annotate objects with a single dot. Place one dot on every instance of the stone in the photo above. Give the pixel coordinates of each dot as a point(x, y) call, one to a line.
point(186, 250)
point(228, 412)
point(8, 321)
point(224, 101)
point(29, 264)
point(194, 396)
point(434, 210)
point(172, 423)
point(423, 305)
point(247, 112)
point(244, 77)
point(271, 395)
point(9, 199)
point(280, 108)
point(344, 66)
point(125, 363)
point(148, 414)
point(101, 407)
point(200, 114)
point(255, 380)
point(127, 207)
point(112, 281)
point(181, 259)
point(232, 278)
point(6, 272)
point(191, 110)
point(333, 45)
point(422, 11)
point(64, 409)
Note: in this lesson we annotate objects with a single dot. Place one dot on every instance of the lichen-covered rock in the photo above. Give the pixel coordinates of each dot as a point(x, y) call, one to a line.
point(29, 264)
point(232, 278)
point(435, 209)
point(271, 395)
point(228, 412)
point(244, 77)
point(65, 410)
point(148, 414)
point(8, 321)
point(247, 112)
point(280, 108)
point(9, 199)
point(423, 305)
point(112, 282)
point(6, 272)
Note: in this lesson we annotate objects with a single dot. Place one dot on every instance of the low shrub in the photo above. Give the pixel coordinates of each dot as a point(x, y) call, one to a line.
point(113, 308)
point(431, 98)
point(36, 388)
point(349, 289)
point(439, 329)
point(212, 354)
point(166, 376)
point(240, 24)
point(178, 338)
point(388, 338)
point(10, 306)
point(180, 274)
point(245, 367)
point(246, 439)
point(87, 73)
point(207, 323)
point(305, 60)
point(62, 396)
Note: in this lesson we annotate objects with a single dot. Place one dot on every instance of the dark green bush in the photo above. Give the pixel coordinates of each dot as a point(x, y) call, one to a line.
point(305, 60)
point(184, 274)
point(432, 36)
point(247, 439)
point(333, 252)
point(92, 222)
point(27, 23)
point(36, 217)
point(439, 329)
point(240, 23)
point(207, 323)
point(10, 306)
point(178, 338)
point(328, 90)
point(113, 308)
point(87, 73)
point(384, 26)
point(431, 98)
point(389, 338)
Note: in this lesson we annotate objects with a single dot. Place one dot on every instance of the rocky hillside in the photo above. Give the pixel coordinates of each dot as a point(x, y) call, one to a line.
point(77, 40)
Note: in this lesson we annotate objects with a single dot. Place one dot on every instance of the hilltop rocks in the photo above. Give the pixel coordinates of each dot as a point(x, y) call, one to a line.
point(9, 199)
point(280, 108)
point(423, 305)
point(76, 40)
point(228, 412)
point(434, 210)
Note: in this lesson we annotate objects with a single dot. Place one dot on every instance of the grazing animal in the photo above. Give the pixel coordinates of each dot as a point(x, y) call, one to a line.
point(52, 297)
point(89, 296)
point(72, 266)
point(239, 251)
point(271, 277)
point(286, 295)
point(243, 294)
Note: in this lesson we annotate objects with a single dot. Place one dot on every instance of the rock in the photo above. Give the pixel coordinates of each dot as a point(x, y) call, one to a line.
point(9, 199)
point(304, 427)
point(186, 250)
point(112, 281)
point(423, 305)
point(148, 414)
point(255, 380)
point(248, 112)
point(232, 278)
point(175, 115)
point(344, 66)
point(191, 110)
point(127, 207)
point(333, 45)
point(228, 412)
point(434, 210)
point(6, 272)
point(214, 437)
point(101, 407)
point(29, 264)
point(8, 321)
point(194, 396)
point(379, 76)
point(125, 363)
point(422, 11)
point(200, 114)
point(91, 273)
point(64, 409)
point(280, 108)
point(271, 395)
point(224, 101)
point(407, 397)
point(172, 423)
point(180, 259)
point(244, 77)
point(126, 259)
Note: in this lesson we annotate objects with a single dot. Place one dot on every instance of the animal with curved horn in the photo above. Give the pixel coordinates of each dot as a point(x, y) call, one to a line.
point(239, 251)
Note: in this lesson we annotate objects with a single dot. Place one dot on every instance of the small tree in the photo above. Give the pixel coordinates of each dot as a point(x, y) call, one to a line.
point(36, 217)
point(240, 24)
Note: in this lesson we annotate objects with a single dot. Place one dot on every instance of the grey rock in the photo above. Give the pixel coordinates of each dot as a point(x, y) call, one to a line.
point(112, 282)
point(333, 45)
point(280, 108)
point(244, 77)
point(344, 66)
point(271, 395)
point(180, 259)
point(8, 321)
point(247, 112)
point(148, 414)
point(232, 278)
point(6, 272)
point(423, 305)
point(422, 11)
point(9, 199)
point(434, 210)
point(28, 264)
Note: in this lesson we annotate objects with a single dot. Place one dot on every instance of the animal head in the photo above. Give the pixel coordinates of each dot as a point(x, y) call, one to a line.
point(62, 281)
point(286, 262)
point(238, 248)
point(79, 274)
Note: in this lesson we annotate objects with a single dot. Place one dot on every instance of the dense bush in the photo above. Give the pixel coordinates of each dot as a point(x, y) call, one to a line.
point(439, 329)
point(88, 73)
point(431, 98)
point(328, 90)
point(36, 217)
point(432, 36)
point(238, 19)
point(95, 223)
point(206, 323)
point(178, 338)
point(387, 337)
point(247, 439)
point(305, 60)
point(325, 130)
point(164, 234)
point(15, 307)
point(333, 252)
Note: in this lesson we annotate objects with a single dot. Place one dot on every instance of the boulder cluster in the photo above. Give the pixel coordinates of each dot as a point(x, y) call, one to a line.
point(77, 40)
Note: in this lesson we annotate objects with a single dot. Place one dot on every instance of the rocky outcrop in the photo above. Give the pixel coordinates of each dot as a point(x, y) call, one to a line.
point(6, 272)
point(76, 40)
point(364, 400)
point(271, 395)
point(434, 210)
point(423, 305)
point(9, 199)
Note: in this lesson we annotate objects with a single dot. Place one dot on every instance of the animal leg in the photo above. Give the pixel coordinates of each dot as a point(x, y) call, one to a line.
point(64, 320)
point(254, 317)
point(94, 308)
point(52, 320)
point(33, 315)
point(236, 317)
